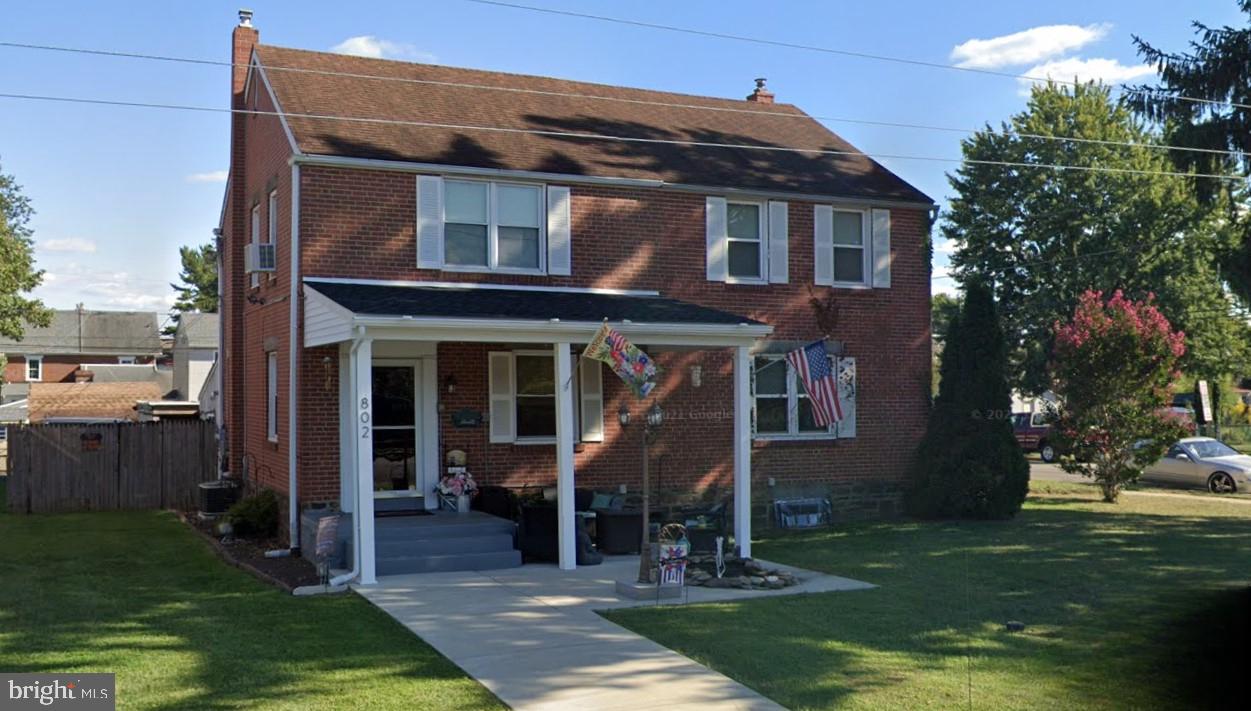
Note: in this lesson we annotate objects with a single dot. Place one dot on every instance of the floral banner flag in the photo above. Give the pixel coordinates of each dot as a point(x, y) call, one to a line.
point(626, 360)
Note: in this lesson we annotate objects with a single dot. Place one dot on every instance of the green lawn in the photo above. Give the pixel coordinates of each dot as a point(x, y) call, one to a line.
point(138, 594)
point(1143, 604)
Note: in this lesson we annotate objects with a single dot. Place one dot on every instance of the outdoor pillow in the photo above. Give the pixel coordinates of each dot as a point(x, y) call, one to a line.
point(601, 501)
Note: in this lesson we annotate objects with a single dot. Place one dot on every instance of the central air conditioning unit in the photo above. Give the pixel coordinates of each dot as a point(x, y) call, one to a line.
point(260, 257)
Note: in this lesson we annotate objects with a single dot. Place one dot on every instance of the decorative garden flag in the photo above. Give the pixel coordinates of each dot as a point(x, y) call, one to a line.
point(626, 360)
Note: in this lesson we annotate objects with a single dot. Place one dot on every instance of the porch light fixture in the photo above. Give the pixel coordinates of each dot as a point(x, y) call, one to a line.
point(450, 384)
point(623, 415)
point(655, 416)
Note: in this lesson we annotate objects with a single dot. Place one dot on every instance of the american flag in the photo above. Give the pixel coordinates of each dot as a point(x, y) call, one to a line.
point(812, 364)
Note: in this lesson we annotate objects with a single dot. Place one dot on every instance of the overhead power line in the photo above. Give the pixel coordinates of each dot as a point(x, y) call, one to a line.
point(576, 135)
point(620, 99)
point(829, 50)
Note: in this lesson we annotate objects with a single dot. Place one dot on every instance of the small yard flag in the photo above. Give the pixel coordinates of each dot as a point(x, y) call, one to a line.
point(626, 360)
point(812, 364)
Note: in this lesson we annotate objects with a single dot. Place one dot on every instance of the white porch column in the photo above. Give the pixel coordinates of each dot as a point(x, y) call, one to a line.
point(742, 450)
point(567, 531)
point(362, 435)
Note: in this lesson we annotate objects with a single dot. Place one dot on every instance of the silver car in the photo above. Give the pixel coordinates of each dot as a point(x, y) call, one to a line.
point(1203, 461)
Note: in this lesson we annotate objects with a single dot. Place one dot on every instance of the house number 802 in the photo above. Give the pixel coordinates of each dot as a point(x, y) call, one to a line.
point(364, 417)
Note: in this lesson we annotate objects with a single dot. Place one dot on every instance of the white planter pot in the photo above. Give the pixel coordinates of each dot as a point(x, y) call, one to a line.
point(462, 504)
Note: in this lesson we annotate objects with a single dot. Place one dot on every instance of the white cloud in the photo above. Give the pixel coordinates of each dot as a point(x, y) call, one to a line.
point(947, 246)
point(1026, 47)
point(212, 176)
point(1107, 71)
point(104, 288)
point(377, 48)
point(68, 244)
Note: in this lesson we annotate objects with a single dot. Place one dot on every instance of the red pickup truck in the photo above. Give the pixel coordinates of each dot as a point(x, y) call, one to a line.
point(1032, 432)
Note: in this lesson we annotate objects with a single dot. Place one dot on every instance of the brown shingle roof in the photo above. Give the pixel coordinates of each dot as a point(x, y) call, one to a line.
point(97, 400)
point(781, 125)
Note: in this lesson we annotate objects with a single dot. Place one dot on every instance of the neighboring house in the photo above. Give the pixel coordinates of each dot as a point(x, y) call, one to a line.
point(195, 351)
point(210, 395)
point(104, 402)
point(432, 287)
point(77, 337)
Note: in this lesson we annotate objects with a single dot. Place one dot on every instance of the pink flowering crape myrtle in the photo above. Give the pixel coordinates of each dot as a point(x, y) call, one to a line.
point(1114, 366)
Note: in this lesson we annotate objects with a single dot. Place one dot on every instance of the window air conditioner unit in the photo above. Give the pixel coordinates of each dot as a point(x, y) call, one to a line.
point(260, 257)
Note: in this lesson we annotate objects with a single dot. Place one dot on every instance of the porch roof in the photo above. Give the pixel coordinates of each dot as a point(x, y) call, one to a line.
point(336, 309)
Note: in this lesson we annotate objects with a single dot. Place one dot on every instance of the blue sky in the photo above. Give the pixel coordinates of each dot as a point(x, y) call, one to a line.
point(117, 190)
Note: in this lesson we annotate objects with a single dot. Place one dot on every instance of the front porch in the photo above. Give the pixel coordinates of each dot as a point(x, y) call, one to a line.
point(405, 325)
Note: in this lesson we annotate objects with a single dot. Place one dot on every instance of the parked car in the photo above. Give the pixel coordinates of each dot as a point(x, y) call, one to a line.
point(1033, 432)
point(1202, 461)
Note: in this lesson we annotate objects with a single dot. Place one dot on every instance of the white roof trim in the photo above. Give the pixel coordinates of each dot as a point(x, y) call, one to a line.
point(564, 178)
point(481, 285)
point(282, 116)
point(337, 324)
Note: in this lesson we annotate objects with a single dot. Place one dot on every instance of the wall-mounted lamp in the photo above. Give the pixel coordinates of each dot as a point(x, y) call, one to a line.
point(697, 376)
point(450, 384)
point(623, 415)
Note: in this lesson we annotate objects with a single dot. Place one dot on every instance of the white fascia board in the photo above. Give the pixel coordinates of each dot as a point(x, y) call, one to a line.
point(269, 89)
point(313, 280)
point(523, 331)
point(567, 179)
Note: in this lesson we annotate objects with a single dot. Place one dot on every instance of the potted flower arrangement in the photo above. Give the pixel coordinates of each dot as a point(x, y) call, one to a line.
point(458, 487)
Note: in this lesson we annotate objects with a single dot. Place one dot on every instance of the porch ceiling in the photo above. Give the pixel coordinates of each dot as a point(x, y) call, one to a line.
point(335, 311)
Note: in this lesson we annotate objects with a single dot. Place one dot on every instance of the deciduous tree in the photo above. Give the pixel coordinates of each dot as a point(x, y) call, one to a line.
point(1114, 367)
point(18, 275)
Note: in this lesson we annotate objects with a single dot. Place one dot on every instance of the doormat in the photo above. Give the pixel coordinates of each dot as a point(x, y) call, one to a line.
point(402, 512)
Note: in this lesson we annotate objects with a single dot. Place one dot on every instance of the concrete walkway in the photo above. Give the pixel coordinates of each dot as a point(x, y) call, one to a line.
point(531, 636)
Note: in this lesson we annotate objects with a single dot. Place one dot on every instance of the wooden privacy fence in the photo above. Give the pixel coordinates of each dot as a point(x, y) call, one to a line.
point(107, 467)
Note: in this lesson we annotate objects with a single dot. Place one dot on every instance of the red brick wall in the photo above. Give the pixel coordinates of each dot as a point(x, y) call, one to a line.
point(361, 224)
point(57, 368)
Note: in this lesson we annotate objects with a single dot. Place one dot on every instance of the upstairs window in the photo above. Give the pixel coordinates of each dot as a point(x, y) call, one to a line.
point(493, 226)
point(745, 230)
point(34, 368)
point(272, 216)
point(849, 247)
point(256, 238)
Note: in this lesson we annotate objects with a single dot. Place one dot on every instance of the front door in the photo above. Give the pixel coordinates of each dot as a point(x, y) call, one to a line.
point(397, 461)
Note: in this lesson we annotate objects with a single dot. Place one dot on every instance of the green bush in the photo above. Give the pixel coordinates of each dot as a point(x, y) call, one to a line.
point(968, 464)
point(256, 515)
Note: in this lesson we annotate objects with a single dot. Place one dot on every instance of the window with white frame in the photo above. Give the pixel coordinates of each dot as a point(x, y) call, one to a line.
point(745, 243)
point(271, 396)
point(271, 214)
point(782, 406)
point(493, 226)
point(34, 368)
point(125, 360)
point(256, 238)
point(850, 254)
point(4, 433)
point(536, 397)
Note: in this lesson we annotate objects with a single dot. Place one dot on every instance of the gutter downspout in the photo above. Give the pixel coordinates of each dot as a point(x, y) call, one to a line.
point(293, 358)
point(356, 501)
point(219, 408)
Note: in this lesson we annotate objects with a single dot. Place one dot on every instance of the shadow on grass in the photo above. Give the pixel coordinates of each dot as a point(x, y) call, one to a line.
point(138, 594)
point(1203, 652)
point(1098, 587)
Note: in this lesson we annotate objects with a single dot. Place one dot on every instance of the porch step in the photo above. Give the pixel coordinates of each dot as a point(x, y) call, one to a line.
point(400, 546)
point(452, 562)
point(423, 528)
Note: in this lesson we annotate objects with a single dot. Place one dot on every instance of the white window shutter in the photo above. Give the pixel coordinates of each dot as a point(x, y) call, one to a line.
point(429, 222)
point(591, 395)
point(846, 397)
point(778, 241)
point(823, 245)
point(881, 249)
point(559, 232)
point(718, 244)
point(501, 372)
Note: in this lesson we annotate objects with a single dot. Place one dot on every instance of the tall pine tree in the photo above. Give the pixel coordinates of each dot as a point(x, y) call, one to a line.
point(969, 464)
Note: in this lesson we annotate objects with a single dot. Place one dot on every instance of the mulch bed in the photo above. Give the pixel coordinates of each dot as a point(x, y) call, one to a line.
point(248, 554)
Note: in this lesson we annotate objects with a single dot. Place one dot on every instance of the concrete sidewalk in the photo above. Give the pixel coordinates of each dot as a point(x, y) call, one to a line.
point(531, 636)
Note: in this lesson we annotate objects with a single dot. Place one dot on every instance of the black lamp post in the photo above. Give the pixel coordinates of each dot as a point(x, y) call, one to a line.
point(655, 418)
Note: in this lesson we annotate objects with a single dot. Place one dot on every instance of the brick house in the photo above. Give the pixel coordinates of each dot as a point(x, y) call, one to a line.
point(439, 263)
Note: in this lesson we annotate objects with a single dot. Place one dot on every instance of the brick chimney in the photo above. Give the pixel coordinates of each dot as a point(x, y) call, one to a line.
point(235, 235)
point(761, 95)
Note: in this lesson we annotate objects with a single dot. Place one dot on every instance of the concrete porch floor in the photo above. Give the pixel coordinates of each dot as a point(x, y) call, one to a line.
point(531, 635)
